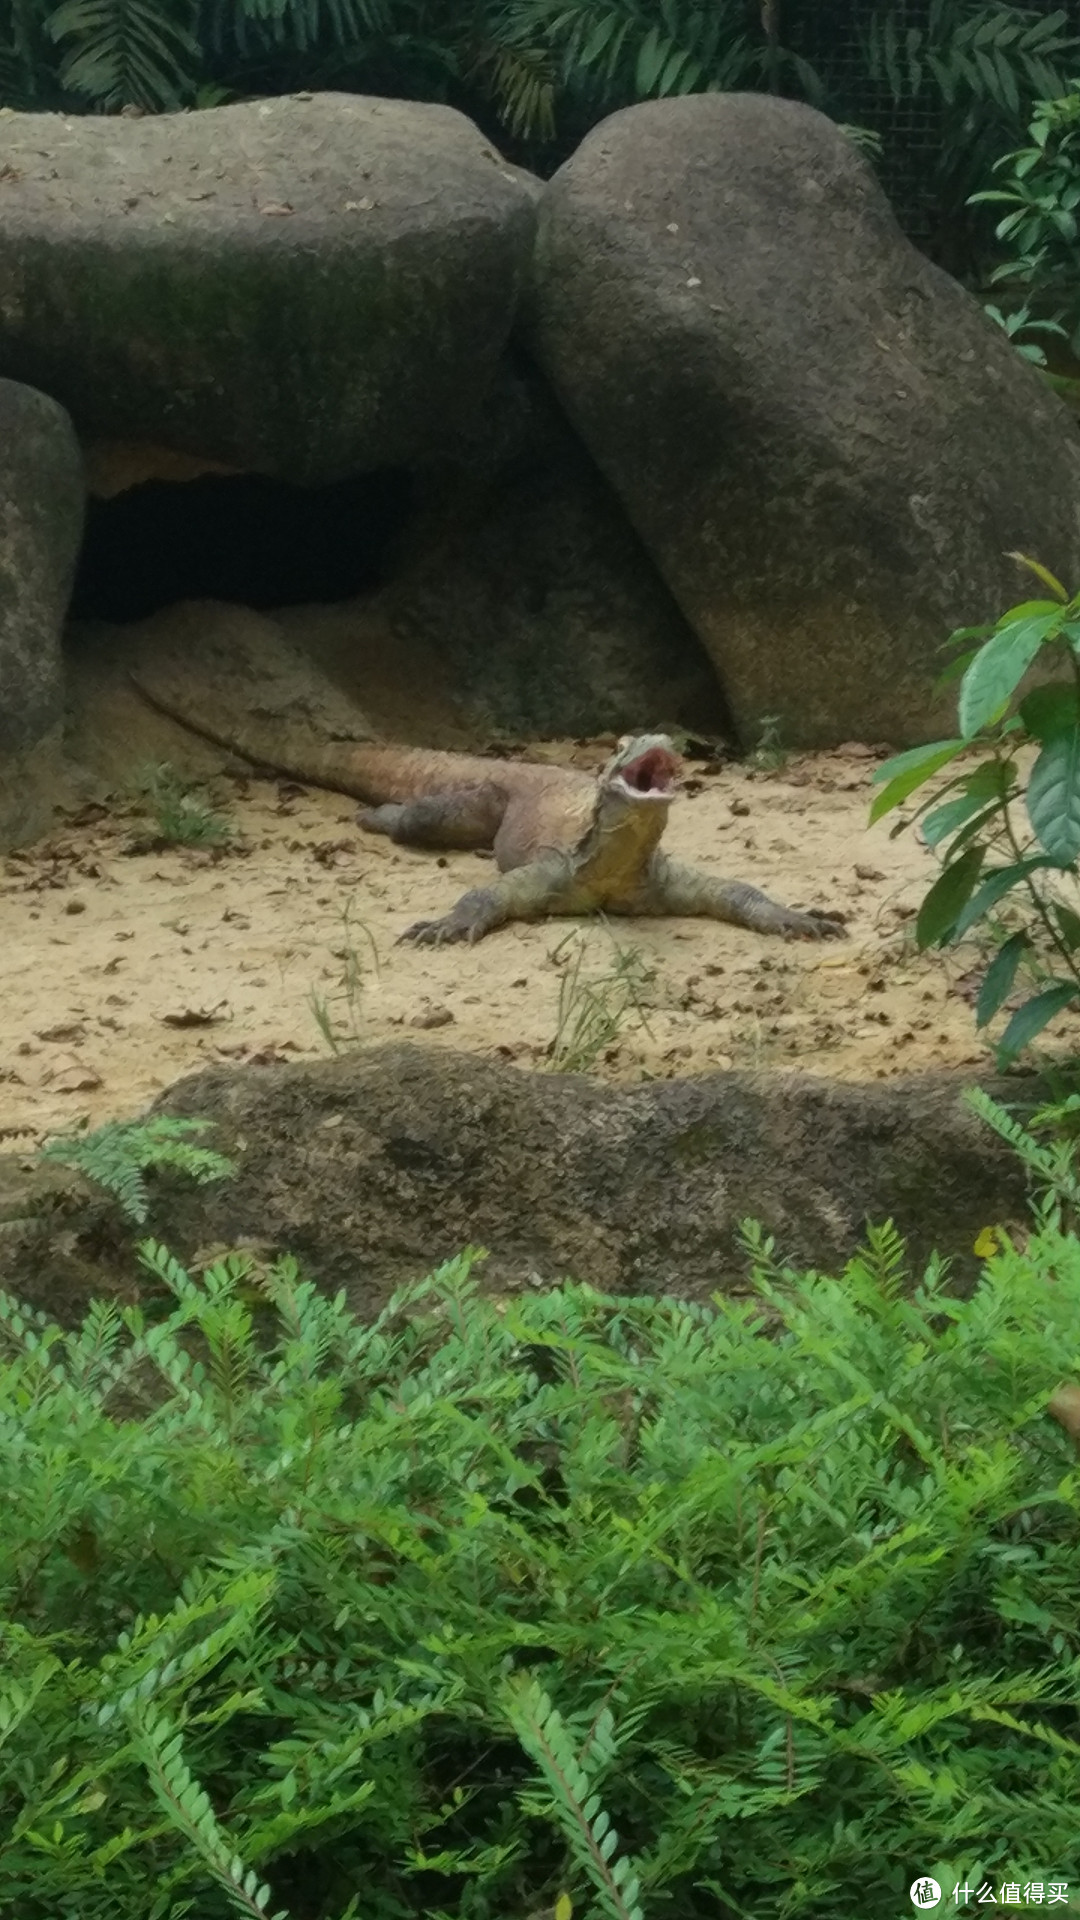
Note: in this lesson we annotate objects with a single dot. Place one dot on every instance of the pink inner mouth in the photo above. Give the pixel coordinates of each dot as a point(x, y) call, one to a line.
point(654, 772)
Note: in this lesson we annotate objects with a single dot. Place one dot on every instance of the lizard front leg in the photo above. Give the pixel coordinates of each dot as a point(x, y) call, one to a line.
point(677, 890)
point(525, 893)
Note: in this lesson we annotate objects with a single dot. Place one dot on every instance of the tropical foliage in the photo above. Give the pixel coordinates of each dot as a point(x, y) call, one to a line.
point(564, 1606)
point(543, 70)
point(1007, 820)
point(1040, 234)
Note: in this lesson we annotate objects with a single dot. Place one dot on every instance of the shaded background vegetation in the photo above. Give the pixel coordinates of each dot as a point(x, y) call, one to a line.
point(939, 88)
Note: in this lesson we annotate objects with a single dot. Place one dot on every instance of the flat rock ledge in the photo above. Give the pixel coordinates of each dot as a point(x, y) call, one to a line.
point(374, 1168)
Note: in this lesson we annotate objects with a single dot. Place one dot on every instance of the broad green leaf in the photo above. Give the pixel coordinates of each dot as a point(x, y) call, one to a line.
point(947, 898)
point(653, 57)
point(1053, 797)
point(981, 632)
point(1047, 711)
point(954, 669)
point(1043, 573)
point(1030, 1019)
point(997, 670)
point(1068, 924)
point(995, 887)
point(998, 980)
point(1027, 609)
point(990, 817)
point(906, 771)
point(984, 787)
point(945, 820)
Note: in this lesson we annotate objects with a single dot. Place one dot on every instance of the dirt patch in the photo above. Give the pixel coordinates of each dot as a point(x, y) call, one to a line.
point(122, 970)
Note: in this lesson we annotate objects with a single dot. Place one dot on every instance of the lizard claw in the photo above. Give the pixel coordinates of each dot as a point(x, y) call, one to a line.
point(469, 920)
point(437, 933)
point(814, 926)
point(429, 933)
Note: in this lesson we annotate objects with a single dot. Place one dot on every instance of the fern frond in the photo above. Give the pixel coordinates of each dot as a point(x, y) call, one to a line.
point(587, 1828)
point(187, 1806)
point(117, 1155)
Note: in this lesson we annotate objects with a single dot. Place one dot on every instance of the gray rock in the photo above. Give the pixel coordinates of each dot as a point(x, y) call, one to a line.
point(527, 581)
point(297, 287)
point(41, 513)
point(826, 447)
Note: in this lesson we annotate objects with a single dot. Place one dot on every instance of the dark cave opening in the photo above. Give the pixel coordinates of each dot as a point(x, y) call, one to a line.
point(238, 537)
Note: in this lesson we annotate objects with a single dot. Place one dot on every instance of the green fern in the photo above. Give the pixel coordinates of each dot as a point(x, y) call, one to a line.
point(490, 1608)
point(982, 51)
point(127, 52)
point(1051, 1167)
point(588, 1829)
point(626, 50)
point(187, 1806)
point(118, 1155)
point(254, 27)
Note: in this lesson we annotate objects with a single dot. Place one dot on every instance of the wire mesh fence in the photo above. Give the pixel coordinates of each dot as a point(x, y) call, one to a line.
point(869, 83)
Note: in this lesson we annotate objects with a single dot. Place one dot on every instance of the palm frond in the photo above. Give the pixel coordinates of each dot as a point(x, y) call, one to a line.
point(121, 53)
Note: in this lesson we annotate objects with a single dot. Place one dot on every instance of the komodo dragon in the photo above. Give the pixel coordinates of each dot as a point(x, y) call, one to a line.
point(564, 841)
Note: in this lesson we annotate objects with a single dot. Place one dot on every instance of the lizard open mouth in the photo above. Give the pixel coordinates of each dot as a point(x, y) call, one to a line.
point(654, 775)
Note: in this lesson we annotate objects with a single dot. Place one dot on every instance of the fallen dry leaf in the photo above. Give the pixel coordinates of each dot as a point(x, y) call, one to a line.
point(70, 1075)
point(196, 1016)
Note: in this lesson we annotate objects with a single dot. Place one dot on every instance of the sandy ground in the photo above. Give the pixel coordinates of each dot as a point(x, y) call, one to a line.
point(124, 967)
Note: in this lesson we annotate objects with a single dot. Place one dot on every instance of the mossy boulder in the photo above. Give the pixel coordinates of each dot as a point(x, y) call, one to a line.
point(374, 1167)
point(41, 513)
point(825, 445)
point(304, 287)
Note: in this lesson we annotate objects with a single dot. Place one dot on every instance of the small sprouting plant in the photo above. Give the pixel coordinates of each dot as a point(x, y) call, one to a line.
point(118, 1156)
point(181, 819)
point(593, 1009)
point(1019, 324)
point(770, 754)
point(1009, 840)
point(338, 1015)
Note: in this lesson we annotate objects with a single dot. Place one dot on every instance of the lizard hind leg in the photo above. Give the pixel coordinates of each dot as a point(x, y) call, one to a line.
point(461, 818)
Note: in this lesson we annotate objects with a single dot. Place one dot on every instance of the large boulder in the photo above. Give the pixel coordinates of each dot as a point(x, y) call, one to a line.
point(525, 580)
point(374, 1168)
point(41, 513)
point(824, 444)
point(306, 287)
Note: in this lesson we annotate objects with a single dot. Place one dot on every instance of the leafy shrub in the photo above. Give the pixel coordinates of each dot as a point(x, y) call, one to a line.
point(1042, 189)
point(654, 1608)
point(997, 852)
point(985, 63)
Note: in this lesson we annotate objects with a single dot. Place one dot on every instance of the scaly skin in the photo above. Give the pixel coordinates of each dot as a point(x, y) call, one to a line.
point(564, 843)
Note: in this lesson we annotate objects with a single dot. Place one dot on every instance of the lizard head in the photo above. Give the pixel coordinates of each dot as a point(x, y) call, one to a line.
point(644, 770)
point(633, 795)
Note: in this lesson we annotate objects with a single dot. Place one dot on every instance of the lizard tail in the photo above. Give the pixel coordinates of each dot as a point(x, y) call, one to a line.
point(288, 745)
